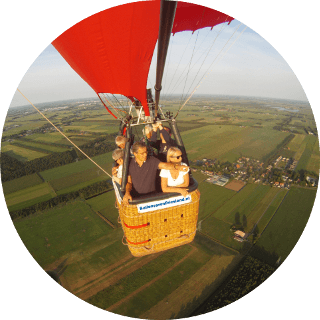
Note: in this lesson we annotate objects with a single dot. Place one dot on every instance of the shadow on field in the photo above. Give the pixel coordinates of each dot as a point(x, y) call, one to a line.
point(58, 271)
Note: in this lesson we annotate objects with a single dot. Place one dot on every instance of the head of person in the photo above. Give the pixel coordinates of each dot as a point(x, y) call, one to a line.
point(117, 156)
point(121, 141)
point(148, 131)
point(139, 150)
point(174, 155)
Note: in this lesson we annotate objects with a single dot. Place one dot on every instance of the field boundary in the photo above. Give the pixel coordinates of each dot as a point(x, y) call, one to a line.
point(117, 304)
point(105, 219)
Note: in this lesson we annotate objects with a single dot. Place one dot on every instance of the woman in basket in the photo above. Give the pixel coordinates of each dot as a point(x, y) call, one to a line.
point(175, 180)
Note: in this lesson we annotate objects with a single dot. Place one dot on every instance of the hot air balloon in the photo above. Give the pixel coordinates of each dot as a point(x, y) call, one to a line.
point(112, 51)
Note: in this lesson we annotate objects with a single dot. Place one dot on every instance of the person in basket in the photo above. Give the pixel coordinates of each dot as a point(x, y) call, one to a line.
point(143, 172)
point(174, 180)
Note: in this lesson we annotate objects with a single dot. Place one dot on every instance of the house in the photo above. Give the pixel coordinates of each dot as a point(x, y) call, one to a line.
point(239, 236)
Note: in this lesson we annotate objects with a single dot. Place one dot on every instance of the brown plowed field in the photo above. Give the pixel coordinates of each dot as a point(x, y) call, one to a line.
point(235, 185)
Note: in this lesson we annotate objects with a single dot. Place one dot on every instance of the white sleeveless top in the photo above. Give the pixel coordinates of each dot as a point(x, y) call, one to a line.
point(173, 182)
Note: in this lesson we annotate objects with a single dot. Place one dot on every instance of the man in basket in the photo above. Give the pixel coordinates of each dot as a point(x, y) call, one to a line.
point(143, 172)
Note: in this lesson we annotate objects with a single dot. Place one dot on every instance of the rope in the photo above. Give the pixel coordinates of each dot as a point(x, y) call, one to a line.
point(65, 135)
point(201, 80)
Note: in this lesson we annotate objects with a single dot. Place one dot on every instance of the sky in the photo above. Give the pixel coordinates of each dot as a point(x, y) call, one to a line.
point(251, 66)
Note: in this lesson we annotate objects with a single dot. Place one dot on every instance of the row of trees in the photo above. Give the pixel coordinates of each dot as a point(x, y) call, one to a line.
point(12, 168)
point(84, 193)
point(250, 274)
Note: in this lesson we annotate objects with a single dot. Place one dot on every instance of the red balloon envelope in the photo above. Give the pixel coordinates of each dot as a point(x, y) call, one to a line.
point(112, 50)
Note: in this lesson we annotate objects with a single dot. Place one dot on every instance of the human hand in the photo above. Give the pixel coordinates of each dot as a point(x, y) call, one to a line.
point(114, 171)
point(126, 198)
point(183, 191)
point(183, 168)
point(155, 126)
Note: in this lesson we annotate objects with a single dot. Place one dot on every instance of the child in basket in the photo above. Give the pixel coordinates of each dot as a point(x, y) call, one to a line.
point(117, 156)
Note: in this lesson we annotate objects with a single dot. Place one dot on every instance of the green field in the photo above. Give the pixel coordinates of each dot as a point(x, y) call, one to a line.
point(285, 228)
point(76, 167)
point(314, 161)
point(239, 215)
point(83, 179)
point(105, 205)
point(271, 210)
point(228, 143)
point(21, 183)
point(307, 153)
point(235, 201)
point(37, 146)
point(212, 197)
point(29, 196)
point(50, 235)
point(21, 154)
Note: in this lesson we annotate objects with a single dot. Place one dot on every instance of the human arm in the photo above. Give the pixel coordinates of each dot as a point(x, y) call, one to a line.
point(114, 170)
point(172, 166)
point(178, 189)
point(127, 195)
point(154, 134)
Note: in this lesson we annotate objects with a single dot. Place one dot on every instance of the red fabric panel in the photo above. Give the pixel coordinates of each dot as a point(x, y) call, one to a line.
point(193, 17)
point(112, 50)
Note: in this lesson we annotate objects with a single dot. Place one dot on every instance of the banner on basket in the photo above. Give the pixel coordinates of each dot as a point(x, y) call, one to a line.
point(162, 204)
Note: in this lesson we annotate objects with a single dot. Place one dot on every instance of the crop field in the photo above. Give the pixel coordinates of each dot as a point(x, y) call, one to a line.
point(241, 212)
point(286, 226)
point(235, 185)
point(29, 196)
point(261, 207)
point(235, 201)
point(229, 142)
point(314, 161)
point(76, 167)
point(21, 183)
point(60, 231)
point(26, 125)
point(48, 137)
point(244, 208)
point(22, 154)
point(212, 197)
point(307, 153)
point(271, 210)
point(105, 205)
point(79, 179)
point(40, 147)
point(96, 266)
point(295, 143)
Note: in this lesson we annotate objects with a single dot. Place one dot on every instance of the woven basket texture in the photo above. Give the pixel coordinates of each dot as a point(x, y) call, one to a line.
point(159, 230)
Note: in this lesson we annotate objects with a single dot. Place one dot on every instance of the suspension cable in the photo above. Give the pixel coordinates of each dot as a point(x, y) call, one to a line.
point(201, 80)
point(65, 135)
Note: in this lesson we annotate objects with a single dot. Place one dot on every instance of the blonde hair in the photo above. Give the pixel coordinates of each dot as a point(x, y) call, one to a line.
point(171, 151)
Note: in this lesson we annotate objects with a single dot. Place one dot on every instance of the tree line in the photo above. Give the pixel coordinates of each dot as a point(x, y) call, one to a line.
point(12, 168)
point(84, 193)
point(250, 274)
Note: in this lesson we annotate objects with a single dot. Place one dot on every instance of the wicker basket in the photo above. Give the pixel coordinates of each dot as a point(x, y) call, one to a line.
point(158, 230)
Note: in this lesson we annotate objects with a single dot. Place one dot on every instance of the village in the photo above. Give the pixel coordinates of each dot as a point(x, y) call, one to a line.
point(280, 173)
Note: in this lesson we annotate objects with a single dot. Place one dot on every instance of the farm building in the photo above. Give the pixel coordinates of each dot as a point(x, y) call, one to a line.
point(239, 236)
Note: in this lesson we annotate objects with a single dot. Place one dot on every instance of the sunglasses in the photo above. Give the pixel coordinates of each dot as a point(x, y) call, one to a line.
point(176, 157)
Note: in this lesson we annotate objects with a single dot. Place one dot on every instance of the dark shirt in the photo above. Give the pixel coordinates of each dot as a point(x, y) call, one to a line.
point(163, 147)
point(144, 177)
